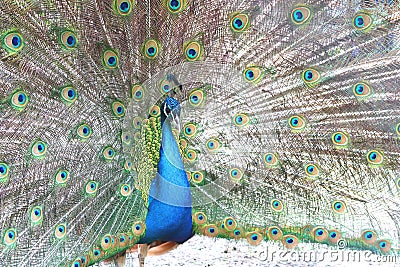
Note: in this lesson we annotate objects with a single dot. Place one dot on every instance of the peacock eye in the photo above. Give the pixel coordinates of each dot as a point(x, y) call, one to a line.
point(155, 111)
point(137, 92)
point(68, 40)
point(240, 22)
point(375, 157)
point(38, 149)
point(253, 74)
point(61, 177)
point(68, 95)
point(151, 49)
point(138, 228)
point(60, 231)
point(175, 6)
point(110, 59)
point(91, 188)
point(339, 206)
point(124, 7)
point(19, 100)
point(118, 109)
point(10, 237)
point(13, 42)
point(300, 15)
point(297, 123)
point(362, 21)
point(369, 237)
point(311, 77)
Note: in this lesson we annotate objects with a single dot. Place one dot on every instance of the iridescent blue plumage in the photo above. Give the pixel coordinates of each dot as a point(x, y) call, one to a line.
point(169, 217)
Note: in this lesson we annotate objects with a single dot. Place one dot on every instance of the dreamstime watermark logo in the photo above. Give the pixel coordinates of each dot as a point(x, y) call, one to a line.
point(326, 256)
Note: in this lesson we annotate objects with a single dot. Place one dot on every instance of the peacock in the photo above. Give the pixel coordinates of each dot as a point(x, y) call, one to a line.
point(134, 125)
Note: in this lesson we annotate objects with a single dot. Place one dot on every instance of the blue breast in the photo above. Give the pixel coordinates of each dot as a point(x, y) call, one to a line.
point(169, 217)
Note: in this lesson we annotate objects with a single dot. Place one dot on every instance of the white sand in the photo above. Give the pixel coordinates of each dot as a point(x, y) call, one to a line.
point(207, 252)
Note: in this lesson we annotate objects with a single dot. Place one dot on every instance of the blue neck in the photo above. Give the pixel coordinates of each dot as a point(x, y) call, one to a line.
point(170, 214)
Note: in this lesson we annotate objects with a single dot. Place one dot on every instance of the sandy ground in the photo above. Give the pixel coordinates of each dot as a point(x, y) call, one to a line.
point(207, 252)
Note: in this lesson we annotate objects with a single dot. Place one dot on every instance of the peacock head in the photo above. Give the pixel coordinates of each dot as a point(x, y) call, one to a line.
point(171, 109)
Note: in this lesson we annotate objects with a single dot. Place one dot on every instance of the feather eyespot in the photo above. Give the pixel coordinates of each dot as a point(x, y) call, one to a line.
point(311, 77)
point(190, 130)
point(339, 206)
point(254, 238)
point(118, 109)
point(193, 51)
point(127, 165)
point(68, 39)
point(61, 176)
point(334, 236)
point(240, 22)
point(274, 233)
point(138, 228)
point(297, 123)
point(375, 158)
point(60, 231)
point(36, 215)
point(77, 263)
point(183, 143)
point(108, 153)
point(397, 129)
point(312, 171)
point(230, 223)
point(4, 171)
point(236, 234)
point(253, 74)
point(290, 241)
point(197, 177)
point(110, 59)
point(210, 230)
point(369, 237)
point(107, 242)
point(68, 95)
point(123, 240)
point(123, 7)
point(199, 218)
point(155, 111)
point(13, 42)
point(175, 6)
point(213, 144)
point(276, 205)
point(10, 237)
point(84, 131)
point(125, 190)
point(126, 138)
point(241, 120)
point(362, 21)
point(19, 100)
point(91, 188)
point(197, 98)
point(383, 245)
point(235, 174)
point(320, 234)
point(137, 122)
point(137, 92)
point(38, 149)
point(97, 252)
point(151, 49)
point(271, 160)
point(362, 90)
point(191, 155)
point(340, 139)
point(301, 15)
